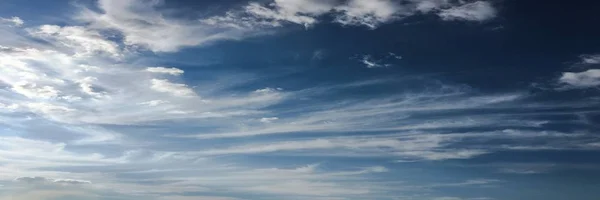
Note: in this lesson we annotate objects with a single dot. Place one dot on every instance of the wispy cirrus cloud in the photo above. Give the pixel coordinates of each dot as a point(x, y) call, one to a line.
point(590, 59)
point(475, 11)
point(142, 24)
point(86, 117)
point(370, 14)
point(15, 21)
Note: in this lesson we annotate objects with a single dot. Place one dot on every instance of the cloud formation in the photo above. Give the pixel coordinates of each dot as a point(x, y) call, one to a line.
point(475, 11)
point(142, 24)
point(88, 113)
point(15, 21)
point(590, 59)
point(370, 14)
point(585, 79)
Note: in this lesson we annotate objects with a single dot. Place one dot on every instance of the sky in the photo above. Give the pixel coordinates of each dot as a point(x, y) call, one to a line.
point(299, 100)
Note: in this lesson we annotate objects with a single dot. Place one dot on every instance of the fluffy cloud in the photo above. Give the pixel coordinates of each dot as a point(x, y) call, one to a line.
point(585, 79)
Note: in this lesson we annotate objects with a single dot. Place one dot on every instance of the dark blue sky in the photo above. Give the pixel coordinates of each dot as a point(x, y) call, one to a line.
point(299, 99)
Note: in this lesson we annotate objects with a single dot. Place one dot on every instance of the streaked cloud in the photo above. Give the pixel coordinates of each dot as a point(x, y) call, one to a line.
point(82, 40)
point(98, 107)
point(475, 11)
point(590, 59)
point(584, 79)
point(165, 70)
point(15, 21)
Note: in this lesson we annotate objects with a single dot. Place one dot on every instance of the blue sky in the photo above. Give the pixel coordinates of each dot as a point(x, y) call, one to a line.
point(299, 99)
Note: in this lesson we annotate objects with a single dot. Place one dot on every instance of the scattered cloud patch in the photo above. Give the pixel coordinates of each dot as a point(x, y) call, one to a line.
point(154, 103)
point(425, 6)
point(83, 40)
point(371, 14)
point(393, 55)
point(590, 59)
point(368, 13)
point(31, 90)
point(143, 25)
point(268, 119)
point(475, 11)
point(370, 62)
point(319, 55)
point(177, 89)
point(78, 104)
point(585, 79)
point(15, 21)
point(71, 181)
point(301, 12)
point(43, 180)
point(165, 70)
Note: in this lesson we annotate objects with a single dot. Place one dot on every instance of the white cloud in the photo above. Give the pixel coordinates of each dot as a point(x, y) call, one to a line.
point(589, 78)
point(43, 180)
point(57, 85)
point(70, 99)
point(71, 181)
point(84, 41)
point(276, 14)
point(154, 102)
point(31, 90)
point(9, 108)
point(16, 21)
point(427, 147)
point(177, 89)
point(369, 13)
point(475, 11)
point(165, 70)
point(86, 85)
point(49, 109)
point(48, 194)
point(426, 6)
point(298, 12)
point(366, 114)
point(27, 153)
point(473, 182)
point(268, 119)
point(144, 26)
point(393, 55)
point(369, 62)
point(310, 7)
point(590, 59)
